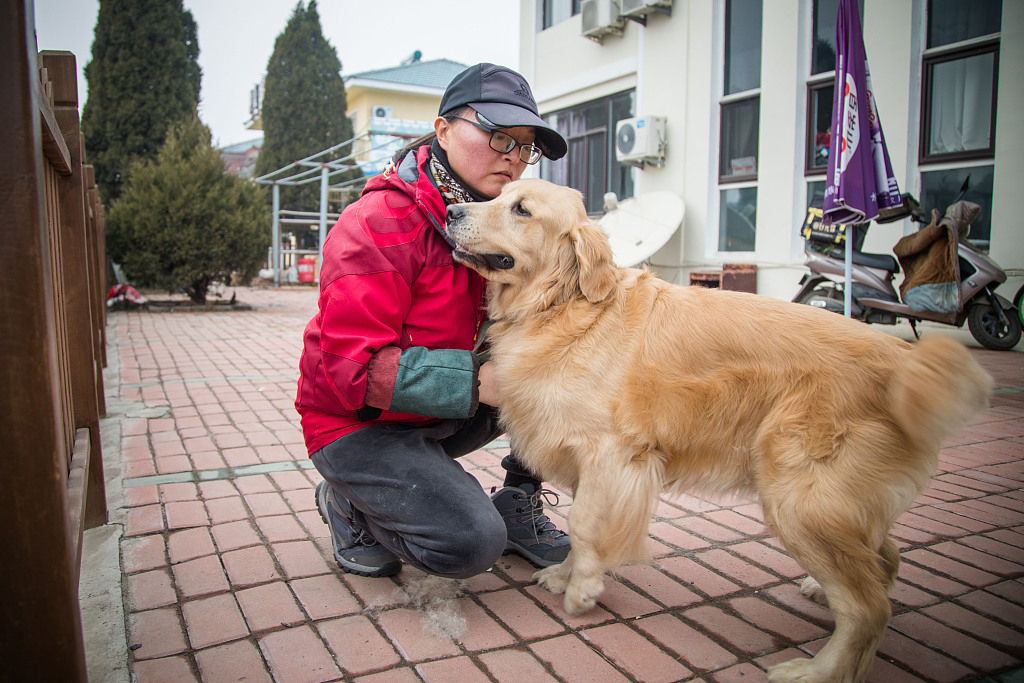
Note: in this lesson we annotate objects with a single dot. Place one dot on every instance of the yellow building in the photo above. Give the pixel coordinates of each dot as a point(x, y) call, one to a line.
point(393, 105)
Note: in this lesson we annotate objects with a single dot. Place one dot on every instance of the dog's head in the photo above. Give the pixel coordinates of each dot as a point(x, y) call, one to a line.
point(535, 245)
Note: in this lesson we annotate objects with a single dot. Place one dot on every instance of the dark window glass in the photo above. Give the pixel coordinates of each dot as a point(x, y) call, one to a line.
point(815, 187)
point(590, 116)
point(738, 160)
point(738, 217)
point(590, 165)
point(578, 170)
point(939, 188)
point(819, 129)
point(597, 165)
point(823, 51)
point(620, 176)
point(557, 171)
point(742, 45)
point(951, 21)
point(557, 11)
point(959, 104)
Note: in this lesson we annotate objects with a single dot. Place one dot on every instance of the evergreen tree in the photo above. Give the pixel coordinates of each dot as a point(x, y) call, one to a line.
point(144, 76)
point(183, 222)
point(303, 104)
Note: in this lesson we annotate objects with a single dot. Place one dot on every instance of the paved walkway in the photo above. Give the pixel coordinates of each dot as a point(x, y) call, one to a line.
point(225, 567)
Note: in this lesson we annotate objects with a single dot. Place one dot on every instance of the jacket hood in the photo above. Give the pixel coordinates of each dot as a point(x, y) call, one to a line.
point(412, 177)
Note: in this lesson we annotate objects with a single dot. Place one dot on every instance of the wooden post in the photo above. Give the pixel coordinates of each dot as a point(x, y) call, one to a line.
point(81, 277)
point(39, 617)
point(96, 218)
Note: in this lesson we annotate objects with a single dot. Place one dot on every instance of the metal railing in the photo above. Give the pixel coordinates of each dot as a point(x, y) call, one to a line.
point(321, 167)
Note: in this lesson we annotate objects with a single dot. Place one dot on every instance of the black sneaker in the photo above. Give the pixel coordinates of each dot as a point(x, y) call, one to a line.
point(530, 533)
point(355, 550)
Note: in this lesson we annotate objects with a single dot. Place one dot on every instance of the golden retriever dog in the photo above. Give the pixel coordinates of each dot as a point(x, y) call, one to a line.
point(620, 386)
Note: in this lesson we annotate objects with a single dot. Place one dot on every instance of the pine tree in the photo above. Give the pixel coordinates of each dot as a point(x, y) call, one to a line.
point(144, 76)
point(303, 105)
point(183, 222)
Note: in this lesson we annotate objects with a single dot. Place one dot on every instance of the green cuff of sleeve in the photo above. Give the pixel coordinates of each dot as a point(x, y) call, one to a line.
point(436, 383)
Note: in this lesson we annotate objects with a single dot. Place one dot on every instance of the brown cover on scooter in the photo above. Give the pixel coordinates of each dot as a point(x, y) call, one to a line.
point(929, 260)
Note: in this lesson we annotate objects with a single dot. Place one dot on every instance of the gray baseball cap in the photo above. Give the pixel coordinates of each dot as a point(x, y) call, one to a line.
point(502, 99)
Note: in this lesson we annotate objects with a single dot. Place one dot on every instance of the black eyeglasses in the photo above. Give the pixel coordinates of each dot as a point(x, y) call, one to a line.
point(505, 143)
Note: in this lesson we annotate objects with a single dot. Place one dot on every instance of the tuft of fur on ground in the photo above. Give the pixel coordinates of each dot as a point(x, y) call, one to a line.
point(436, 598)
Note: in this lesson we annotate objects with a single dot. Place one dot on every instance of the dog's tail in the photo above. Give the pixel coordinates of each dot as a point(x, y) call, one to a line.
point(938, 389)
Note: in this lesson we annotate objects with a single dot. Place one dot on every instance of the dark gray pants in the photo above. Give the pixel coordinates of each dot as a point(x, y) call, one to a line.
point(415, 498)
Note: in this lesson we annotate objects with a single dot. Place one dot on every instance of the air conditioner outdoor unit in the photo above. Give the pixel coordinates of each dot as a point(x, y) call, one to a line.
point(639, 9)
point(381, 112)
point(600, 18)
point(640, 140)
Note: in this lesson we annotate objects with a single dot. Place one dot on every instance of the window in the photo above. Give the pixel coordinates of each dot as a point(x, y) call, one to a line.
point(959, 106)
point(823, 48)
point(742, 45)
point(737, 220)
point(940, 187)
point(557, 11)
point(819, 125)
point(738, 156)
point(740, 113)
point(821, 84)
point(953, 21)
point(590, 166)
point(960, 73)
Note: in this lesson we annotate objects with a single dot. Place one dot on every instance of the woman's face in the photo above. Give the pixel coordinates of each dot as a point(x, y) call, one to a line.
point(471, 157)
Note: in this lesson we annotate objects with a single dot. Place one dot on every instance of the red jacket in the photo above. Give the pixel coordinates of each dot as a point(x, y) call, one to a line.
point(398, 318)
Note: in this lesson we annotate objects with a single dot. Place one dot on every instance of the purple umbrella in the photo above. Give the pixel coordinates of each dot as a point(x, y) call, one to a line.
point(860, 177)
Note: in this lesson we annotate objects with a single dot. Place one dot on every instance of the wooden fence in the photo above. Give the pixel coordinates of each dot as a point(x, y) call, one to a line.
point(52, 354)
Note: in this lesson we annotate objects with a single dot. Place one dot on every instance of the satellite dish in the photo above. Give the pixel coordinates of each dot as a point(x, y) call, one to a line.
point(639, 226)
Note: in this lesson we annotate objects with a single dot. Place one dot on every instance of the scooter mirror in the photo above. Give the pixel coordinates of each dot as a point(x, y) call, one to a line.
point(963, 189)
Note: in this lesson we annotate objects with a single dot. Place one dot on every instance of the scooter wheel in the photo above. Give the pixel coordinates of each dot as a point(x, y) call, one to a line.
point(985, 325)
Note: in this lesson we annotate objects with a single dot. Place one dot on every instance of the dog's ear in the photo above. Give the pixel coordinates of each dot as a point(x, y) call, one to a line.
point(597, 272)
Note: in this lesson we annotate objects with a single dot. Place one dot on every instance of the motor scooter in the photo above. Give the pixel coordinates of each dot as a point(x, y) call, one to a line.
point(991, 319)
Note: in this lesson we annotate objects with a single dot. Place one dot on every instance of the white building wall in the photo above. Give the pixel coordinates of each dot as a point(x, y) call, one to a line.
point(780, 150)
point(1007, 217)
point(675, 64)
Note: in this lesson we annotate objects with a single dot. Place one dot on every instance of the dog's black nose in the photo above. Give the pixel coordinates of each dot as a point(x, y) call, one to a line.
point(455, 212)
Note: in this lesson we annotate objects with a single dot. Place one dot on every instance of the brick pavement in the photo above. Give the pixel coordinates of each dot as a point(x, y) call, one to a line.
point(227, 572)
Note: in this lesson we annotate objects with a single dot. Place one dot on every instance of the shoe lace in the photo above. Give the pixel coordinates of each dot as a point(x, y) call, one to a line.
point(538, 520)
point(363, 537)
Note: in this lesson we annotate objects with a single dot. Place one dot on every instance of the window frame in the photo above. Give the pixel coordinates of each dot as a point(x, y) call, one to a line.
point(583, 135)
point(814, 84)
point(951, 53)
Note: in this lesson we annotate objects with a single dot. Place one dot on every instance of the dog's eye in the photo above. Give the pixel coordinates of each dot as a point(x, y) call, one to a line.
point(520, 209)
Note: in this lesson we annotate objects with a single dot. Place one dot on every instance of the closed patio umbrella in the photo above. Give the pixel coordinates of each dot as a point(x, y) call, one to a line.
point(860, 180)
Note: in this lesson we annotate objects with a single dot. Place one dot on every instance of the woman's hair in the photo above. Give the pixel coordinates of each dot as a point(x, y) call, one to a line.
point(426, 139)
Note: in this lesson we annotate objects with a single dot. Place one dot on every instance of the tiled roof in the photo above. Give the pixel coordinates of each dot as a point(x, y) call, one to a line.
point(244, 146)
point(436, 73)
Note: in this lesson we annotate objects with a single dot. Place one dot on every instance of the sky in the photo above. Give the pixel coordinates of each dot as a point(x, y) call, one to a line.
point(236, 38)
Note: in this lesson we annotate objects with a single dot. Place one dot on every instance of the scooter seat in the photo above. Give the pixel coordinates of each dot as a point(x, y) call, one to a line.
point(880, 261)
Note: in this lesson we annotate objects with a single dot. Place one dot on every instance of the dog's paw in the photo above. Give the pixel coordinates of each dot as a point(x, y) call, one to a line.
point(798, 671)
point(812, 589)
point(581, 594)
point(554, 578)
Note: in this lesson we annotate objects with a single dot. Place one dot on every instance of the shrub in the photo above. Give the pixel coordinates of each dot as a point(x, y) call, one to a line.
point(183, 222)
